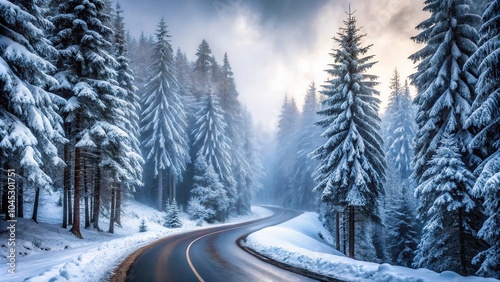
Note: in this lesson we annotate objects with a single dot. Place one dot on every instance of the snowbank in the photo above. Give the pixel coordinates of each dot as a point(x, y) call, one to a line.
point(304, 243)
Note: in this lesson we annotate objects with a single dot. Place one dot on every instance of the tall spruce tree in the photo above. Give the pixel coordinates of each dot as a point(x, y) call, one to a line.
point(209, 201)
point(30, 126)
point(308, 140)
point(285, 160)
point(485, 120)
point(204, 67)
point(126, 119)
point(163, 118)
point(402, 234)
point(448, 240)
point(86, 78)
point(445, 93)
point(233, 115)
point(211, 142)
point(445, 88)
point(352, 162)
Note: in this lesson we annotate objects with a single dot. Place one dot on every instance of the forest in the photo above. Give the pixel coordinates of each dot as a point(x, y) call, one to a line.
point(91, 112)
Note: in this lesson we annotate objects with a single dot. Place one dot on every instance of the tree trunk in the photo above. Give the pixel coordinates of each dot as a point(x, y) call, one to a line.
point(112, 212)
point(160, 190)
point(35, 205)
point(66, 183)
point(20, 194)
point(351, 231)
point(75, 229)
point(97, 198)
point(337, 231)
point(86, 194)
point(461, 242)
point(118, 205)
point(70, 208)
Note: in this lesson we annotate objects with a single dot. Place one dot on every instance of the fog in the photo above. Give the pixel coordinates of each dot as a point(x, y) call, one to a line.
point(280, 47)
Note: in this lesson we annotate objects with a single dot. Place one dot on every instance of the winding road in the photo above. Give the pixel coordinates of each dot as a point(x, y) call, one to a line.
point(209, 255)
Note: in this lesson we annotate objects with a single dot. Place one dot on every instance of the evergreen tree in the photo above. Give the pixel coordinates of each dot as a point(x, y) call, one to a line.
point(351, 170)
point(123, 152)
point(448, 240)
point(86, 78)
point(163, 118)
point(445, 88)
point(210, 141)
point(203, 70)
point(403, 235)
point(141, 58)
point(285, 160)
point(235, 131)
point(445, 93)
point(485, 119)
point(209, 200)
point(401, 129)
point(143, 227)
point(172, 219)
point(308, 140)
point(30, 126)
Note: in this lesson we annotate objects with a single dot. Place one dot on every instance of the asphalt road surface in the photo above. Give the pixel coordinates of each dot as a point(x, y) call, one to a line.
point(211, 255)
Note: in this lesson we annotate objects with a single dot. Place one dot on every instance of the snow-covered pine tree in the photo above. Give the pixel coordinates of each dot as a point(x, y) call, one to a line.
point(163, 118)
point(308, 140)
point(142, 226)
point(445, 94)
point(401, 129)
point(448, 241)
point(30, 126)
point(485, 119)
point(445, 88)
point(209, 201)
point(403, 235)
point(184, 75)
point(141, 58)
point(352, 162)
point(210, 141)
point(235, 131)
point(172, 219)
point(86, 78)
point(284, 166)
point(203, 70)
point(121, 156)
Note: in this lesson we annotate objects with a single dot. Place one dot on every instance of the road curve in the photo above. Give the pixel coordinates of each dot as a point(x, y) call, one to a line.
point(210, 255)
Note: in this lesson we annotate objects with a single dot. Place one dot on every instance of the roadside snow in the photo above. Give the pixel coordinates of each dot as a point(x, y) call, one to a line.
point(304, 243)
point(46, 252)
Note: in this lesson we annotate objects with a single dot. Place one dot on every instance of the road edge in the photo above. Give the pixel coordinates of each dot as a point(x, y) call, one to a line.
point(304, 272)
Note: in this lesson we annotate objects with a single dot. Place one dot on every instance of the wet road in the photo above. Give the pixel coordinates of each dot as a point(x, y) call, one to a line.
point(211, 255)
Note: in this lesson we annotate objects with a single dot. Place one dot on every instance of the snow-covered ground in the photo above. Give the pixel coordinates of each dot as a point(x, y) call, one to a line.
point(46, 252)
point(304, 243)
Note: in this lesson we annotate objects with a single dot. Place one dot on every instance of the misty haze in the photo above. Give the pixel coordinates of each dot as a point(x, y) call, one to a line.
point(250, 140)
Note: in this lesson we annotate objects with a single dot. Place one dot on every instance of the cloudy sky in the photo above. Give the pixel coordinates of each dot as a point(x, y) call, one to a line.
point(279, 47)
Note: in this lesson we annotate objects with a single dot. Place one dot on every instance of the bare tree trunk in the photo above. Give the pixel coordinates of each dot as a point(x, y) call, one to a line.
point(20, 194)
point(160, 190)
point(97, 198)
point(461, 242)
point(35, 205)
point(75, 229)
point(351, 231)
point(118, 206)
point(86, 193)
point(70, 208)
point(112, 212)
point(66, 183)
point(337, 231)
